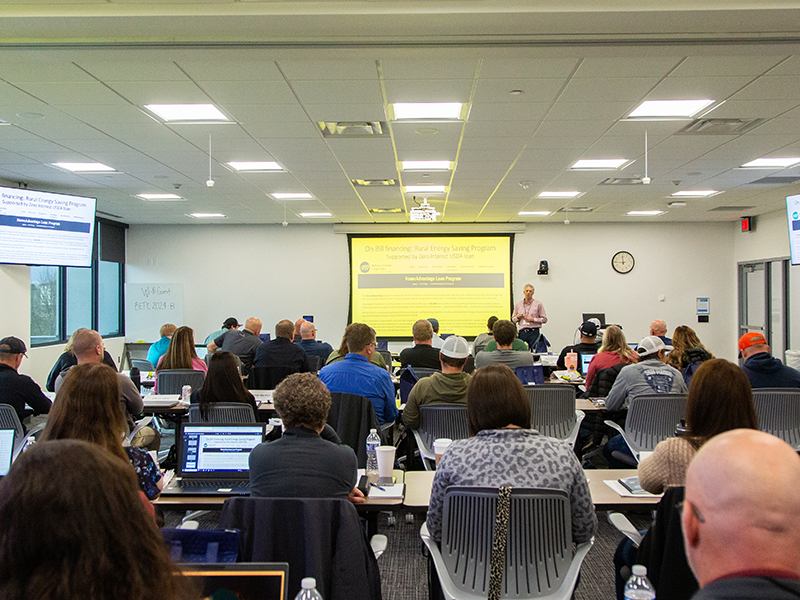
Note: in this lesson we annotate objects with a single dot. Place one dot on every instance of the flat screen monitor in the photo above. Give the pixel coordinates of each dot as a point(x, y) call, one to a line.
point(793, 216)
point(40, 228)
point(599, 316)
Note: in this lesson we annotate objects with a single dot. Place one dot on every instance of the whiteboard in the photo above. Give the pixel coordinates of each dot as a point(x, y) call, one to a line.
point(148, 306)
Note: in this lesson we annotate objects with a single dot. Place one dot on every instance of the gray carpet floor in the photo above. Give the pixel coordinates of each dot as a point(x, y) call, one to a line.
point(404, 567)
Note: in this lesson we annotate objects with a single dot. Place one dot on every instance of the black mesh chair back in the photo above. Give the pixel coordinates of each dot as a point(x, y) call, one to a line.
point(315, 363)
point(538, 561)
point(437, 421)
point(778, 413)
point(268, 378)
point(652, 418)
point(142, 364)
point(387, 357)
point(223, 412)
point(171, 381)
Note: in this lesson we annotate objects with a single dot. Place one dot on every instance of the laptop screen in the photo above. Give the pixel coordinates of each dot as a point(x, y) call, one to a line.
point(245, 581)
point(6, 450)
point(585, 360)
point(211, 449)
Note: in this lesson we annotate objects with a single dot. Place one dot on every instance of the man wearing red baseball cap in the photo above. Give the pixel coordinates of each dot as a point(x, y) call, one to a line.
point(761, 368)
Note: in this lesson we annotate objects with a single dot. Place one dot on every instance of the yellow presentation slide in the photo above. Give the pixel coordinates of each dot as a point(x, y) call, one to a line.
point(459, 280)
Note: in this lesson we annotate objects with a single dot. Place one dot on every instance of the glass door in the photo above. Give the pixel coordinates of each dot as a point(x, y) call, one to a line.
point(764, 302)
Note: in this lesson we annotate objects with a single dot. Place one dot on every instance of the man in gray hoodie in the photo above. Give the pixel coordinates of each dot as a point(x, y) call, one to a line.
point(449, 386)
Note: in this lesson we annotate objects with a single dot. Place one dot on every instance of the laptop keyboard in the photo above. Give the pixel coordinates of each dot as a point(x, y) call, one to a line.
point(208, 484)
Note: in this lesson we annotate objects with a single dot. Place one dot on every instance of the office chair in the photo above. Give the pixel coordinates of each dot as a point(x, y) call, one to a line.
point(778, 413)
point(651, 419)
point(171, 381)
point(438, 421)
point(267, 378)
point(553, 411)
point(223, 412)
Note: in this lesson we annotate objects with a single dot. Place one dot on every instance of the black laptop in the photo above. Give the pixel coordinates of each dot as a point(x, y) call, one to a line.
point(245, 581)
point(213, 458)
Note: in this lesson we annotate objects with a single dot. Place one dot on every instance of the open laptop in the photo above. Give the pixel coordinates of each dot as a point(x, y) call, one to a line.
point(6, 450)
point(213, 458)
point(245, 581)
point(585, 360)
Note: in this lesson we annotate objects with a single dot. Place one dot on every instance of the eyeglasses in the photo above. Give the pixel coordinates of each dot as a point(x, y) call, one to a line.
point(698, 515)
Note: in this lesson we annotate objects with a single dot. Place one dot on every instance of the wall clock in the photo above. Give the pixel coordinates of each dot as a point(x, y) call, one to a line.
point(623, 262)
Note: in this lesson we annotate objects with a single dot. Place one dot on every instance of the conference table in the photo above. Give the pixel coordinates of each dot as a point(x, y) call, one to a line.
point(418, 490)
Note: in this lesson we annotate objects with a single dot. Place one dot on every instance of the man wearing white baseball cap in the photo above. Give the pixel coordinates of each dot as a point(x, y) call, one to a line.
point(449, 386)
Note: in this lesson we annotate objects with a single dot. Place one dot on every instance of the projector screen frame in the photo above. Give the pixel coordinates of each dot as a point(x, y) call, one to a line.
point(350, 236)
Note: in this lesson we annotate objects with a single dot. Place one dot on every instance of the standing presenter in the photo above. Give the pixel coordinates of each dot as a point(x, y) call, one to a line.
point(529, 316)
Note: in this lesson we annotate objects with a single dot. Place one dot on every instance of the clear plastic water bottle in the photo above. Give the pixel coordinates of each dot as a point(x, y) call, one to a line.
point(373, 441)
point(639, 586)
point(308, 589)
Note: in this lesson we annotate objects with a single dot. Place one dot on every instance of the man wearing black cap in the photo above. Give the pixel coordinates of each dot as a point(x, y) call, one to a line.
point(588, 345)
point(230, 323)
point(15, 389)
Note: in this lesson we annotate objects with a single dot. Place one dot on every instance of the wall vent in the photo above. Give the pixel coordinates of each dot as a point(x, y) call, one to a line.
point(374, 182)
point(353, 129)
point(730, 209)
point(621, 181)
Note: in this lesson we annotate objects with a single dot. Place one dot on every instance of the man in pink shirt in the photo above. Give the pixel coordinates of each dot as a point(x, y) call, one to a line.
point(529, 316)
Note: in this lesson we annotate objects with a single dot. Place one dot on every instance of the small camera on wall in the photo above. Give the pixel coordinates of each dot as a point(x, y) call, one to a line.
point(543, 268)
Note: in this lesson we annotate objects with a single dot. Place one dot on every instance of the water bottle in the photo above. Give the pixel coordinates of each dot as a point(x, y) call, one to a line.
point(639, 586)
point(571, 361)
point(308, 589)
point(373, 441)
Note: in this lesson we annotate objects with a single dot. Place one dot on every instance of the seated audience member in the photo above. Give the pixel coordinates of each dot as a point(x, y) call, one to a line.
point(649, 376)
point(687, 349)
point(19, 391)
point(227, 325)
point(739, 524)
point(309, 343)
point(484, 338)
point(87, 408)
point(447, 387)
point(72, 525)
point(67, 360)
point(222, 384)
point(518, 344)
point(298, 325)
point(159, 349)
point(615, 350)
point(301, 464)
point(282, 352)
point(339, 354)
point(242, 343)
point(355, 374)
point(88, 348)
point(181, 354)
point(504, 334)
point(719, 400)
point(658, 328)
point(422, 353)
point(761, 368)
point(436, 341)
point(506, 451)
point(588, 345)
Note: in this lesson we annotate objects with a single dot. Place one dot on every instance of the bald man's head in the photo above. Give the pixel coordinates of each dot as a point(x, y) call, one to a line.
point(253, 325)
point(307, 330)
point(742, 497)
point(658, 327)
point(87, 346)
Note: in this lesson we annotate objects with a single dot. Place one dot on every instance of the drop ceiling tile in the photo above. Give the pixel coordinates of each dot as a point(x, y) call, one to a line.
point(346, 112)
point(631, 89)
point(84, 93)
point(590, 111)
point(252, 115)
point(523, 113)
point(498, 129)
point(533, 90)
point(140, 93)
point(338, 92)
point(622, 67)
point(315, 70)
point(255, 92)
point(527, 68)
point(691, 88)
point(753, 109)
point(230, 65)
point(771, 88)
point(419, 69)
point(141, 66)
point(727, 64)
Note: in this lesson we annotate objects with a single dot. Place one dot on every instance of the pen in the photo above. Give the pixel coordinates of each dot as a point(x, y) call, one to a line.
point(377, 486)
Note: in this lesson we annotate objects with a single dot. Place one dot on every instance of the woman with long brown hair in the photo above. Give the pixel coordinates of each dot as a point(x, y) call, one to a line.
point(87, 407)
point(222, 384)
point(615, 350)
point(687, 349)
point(72, 526)
point(181, 354)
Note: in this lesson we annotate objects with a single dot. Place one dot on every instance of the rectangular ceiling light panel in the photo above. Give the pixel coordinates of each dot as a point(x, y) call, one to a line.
point(187, 113)
point(669, 109)
point(450, 111)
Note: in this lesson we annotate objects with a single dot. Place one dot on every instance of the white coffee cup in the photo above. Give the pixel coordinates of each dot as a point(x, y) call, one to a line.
point(385, 460)
point(439, 446)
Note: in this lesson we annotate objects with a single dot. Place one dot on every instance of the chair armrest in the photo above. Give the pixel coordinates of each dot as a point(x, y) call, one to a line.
point(625, 527)
point(614, 425)
point(378, 544)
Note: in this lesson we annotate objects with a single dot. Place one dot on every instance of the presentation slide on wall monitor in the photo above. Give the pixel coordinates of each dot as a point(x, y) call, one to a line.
point(40, 228)
point(459, 280)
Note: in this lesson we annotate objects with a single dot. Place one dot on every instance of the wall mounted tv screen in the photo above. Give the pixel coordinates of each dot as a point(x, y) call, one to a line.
point(793, 216)
point(40, 228)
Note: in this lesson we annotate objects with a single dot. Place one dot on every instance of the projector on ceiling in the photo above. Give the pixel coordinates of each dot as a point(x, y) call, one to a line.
point(423, 213)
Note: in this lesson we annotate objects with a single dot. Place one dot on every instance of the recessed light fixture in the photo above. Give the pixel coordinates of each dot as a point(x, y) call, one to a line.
point(771, 163)
point(88, 167)
point(694, 194)
point(669, 109)
point(187, 113)
point(559, 194)
point(424, 189)
point(427, 110)
point(599, 164)
point(255, 166)
point(292, 196)
point(426, 165)
point(533, 213)
point(678, 203)
point(159, 197)
point(316, 215)
point(206, 215)
point(644, 213)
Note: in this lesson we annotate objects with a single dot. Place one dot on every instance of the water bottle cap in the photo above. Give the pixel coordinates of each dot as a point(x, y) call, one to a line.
point(308, 583)
point(639, 570)
point(373, 431)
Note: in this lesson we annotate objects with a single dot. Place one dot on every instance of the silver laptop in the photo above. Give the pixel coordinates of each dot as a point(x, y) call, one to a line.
point(585, 360)
point(6, 450)
point(213, 458)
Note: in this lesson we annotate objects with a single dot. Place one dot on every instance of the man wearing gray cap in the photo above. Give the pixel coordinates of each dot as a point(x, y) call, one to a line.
point(19, 390)
point(449, 386)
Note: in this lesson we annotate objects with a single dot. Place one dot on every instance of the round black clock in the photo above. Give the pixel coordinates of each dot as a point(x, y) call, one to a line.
point(623, 262)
